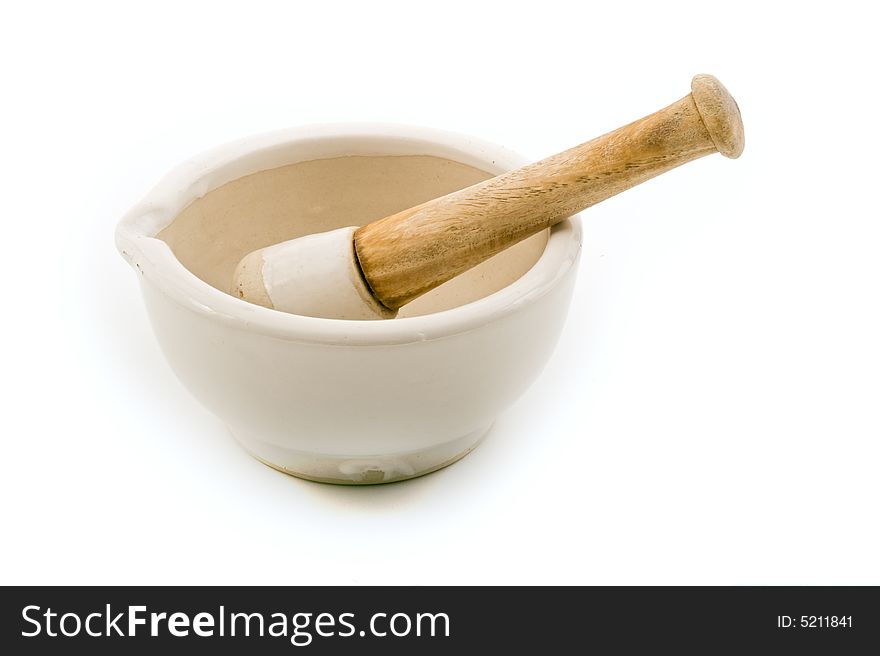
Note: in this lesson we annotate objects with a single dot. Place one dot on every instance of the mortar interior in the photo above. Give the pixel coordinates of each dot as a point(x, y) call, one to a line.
point(211, 235)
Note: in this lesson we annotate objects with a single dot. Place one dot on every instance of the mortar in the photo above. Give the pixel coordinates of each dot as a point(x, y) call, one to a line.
point(333, 400)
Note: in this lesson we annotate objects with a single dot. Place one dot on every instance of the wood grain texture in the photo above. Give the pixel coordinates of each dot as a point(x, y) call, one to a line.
point(409, 253)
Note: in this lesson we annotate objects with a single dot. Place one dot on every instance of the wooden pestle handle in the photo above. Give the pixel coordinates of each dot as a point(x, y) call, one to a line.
point(410, 253)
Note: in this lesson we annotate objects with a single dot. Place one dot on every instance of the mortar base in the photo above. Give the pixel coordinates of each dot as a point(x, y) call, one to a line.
point(361, 470)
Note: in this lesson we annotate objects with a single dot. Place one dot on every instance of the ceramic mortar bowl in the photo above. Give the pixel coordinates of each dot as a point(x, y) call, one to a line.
point(331, 400)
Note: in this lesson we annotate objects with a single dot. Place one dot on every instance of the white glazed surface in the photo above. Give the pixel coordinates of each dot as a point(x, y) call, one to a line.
point(338, 400)
point(319, 271)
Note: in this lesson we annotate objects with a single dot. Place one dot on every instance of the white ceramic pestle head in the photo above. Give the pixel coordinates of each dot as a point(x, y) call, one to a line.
point(315, 276)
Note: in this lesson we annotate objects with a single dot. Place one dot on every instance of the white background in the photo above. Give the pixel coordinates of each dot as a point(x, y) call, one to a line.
point(710, 414)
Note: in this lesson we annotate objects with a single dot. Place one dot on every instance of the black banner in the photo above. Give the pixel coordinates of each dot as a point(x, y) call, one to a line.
point(319, 620)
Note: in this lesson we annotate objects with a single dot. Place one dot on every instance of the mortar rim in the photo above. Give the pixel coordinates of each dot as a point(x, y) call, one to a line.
point(197, 176)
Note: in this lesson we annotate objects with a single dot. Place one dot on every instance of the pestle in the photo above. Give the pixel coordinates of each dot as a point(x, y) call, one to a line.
point(370, 272)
